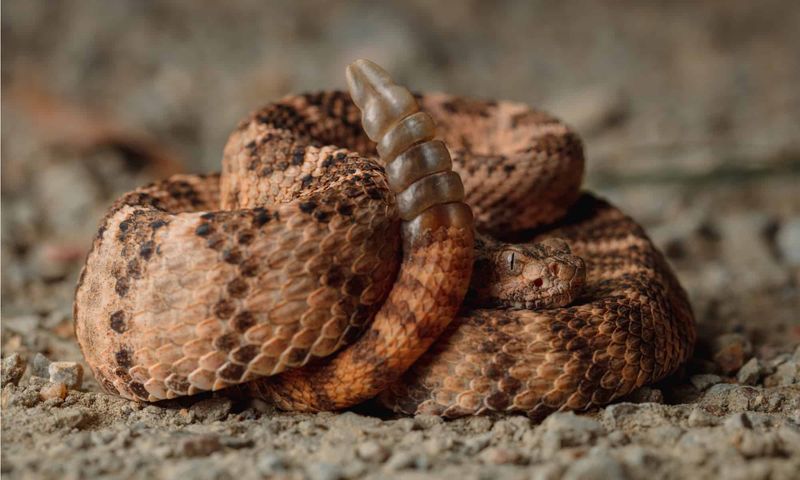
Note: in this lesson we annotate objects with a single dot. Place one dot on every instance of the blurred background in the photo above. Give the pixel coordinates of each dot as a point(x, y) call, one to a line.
point(690, 112)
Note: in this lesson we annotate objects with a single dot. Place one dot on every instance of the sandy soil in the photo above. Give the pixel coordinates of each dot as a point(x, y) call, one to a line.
point(690, 116)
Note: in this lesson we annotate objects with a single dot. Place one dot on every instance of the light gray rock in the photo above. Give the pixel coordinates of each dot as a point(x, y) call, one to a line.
point(422, 462)
point(704, 381)
point(479, 424)
point(501, 456)
point(68, 373)
point(22, 397)
point(425, 421)
point(199, 445)
point(324, 471)
point(572, 429)
point(24, 325)
point(618, 438)
point(477, 443)
point(14, 367)
point(41, 366)
point(595, 467)
point(789, 436)
point(355, 468)
point(700, 418)
point(787, 373)
point(666, 434)
point(353, 421)
point(788, 241)
point(73, 417)
point(738, 421)
point(372, 451)
point(547, 471)
point(212, 409)
point(565, 429)
point(750, 373)
point(777, 361)
point(271, 463)
point(638, 460)
point(401, 460)
point(746, 252)
point(437, 445)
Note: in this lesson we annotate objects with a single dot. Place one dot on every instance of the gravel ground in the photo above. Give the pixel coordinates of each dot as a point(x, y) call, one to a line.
point(690, 115)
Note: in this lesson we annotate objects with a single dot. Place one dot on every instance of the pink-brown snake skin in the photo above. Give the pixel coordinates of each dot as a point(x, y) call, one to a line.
point(317, 275)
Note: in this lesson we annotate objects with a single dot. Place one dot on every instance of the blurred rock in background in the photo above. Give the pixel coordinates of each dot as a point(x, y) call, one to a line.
point(690, 113)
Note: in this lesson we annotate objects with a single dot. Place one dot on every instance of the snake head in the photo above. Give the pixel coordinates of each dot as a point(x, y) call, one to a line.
point(534, 275)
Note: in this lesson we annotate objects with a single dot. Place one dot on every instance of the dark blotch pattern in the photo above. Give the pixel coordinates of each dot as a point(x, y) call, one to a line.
point(123, 358)
point(223, 309)
point(243, 321)
point(118, 322)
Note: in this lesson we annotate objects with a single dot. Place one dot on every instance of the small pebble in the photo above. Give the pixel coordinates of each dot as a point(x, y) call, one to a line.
point(730, 351)
point(323, 471)
point(777, 361)
point(646, 395)
point(270, 464)
point(500, 456)
point(618, 437)
point(790, 437)
point(637, 458)
point(372, 452)
point(746, 255)
point(212, 409)
point(788, 241)
point(477, 443)
point(436, 445)
point(738, 421)
point(53, 390)
point(786, 374)
point(69, 418)
point(750, 372)
point(262, 407)
point(200, 445)
point(479, 424)
point(354, 469)
point(595, 468)
point(25, 397)
point(425, 421)
point(667, 434)
point(422, 462)
point(14, 367)
point(41, 366)
point(401, 460)
point(68, 373)
point(704, 381)
point(700, 418)
point(547, 471)
point(565, 429)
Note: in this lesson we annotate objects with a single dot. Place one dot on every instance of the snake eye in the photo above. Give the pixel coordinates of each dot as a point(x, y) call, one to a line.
point(511, 261)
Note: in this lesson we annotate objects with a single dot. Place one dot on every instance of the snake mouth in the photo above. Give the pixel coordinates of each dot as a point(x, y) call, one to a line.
point(559, 298)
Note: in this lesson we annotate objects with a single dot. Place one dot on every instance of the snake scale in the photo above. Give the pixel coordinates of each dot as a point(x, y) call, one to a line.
point(312, 273)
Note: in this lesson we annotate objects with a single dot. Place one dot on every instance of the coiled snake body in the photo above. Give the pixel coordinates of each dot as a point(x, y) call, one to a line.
point(306, 245)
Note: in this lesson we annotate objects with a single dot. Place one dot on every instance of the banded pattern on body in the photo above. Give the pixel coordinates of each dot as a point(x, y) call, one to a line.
point(298, 250)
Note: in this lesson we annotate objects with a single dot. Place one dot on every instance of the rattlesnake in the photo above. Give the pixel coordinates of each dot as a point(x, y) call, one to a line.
point(315, 275)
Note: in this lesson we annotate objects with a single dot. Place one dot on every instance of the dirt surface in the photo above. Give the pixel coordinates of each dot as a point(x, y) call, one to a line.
point(690, 115)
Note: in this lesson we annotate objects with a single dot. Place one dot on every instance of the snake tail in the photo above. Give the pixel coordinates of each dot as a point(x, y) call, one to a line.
point(438, 243)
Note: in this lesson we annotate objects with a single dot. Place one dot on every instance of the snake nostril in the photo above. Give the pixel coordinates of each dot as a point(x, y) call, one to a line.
point(538, 282)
